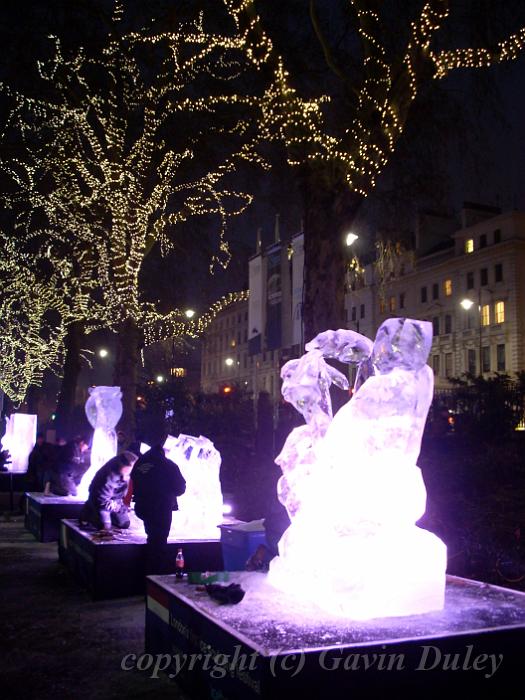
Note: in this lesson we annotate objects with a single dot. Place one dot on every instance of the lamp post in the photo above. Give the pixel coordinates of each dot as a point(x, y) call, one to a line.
point(467, 304)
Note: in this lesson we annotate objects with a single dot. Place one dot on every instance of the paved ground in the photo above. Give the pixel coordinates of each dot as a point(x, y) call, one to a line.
point(55, 642)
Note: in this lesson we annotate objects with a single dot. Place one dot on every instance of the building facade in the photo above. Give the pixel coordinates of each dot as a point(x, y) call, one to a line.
point(247, 343)
point(468, 281)
point(470, 286)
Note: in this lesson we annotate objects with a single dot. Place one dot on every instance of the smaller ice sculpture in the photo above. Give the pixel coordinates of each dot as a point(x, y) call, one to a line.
point(351, 485)
point(200, 508)
point(19, 439)
point(103, 411)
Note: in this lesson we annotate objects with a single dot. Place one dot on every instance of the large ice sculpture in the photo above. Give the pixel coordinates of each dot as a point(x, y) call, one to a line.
point(351, 485)
point(103, 411)
point(200, 508)
point(19, 439)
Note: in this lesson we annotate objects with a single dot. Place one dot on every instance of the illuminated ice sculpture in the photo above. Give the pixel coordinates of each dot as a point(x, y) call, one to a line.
point(351, 485)
point(19, 439)
point(103, 411)
point(200, 507)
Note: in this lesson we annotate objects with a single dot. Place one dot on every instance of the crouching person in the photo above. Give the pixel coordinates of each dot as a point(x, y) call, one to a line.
point(105, 505)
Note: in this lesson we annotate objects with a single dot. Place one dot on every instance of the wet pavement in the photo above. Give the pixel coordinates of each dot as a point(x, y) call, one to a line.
point(55, 642)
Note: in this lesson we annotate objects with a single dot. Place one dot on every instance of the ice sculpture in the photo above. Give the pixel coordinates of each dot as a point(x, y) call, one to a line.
point(201, 507)
point(351, 485)
point(19, 439)
point(103, 411)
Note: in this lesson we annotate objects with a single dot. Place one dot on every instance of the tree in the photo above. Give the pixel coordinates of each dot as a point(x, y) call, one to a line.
point(126, 143)
point(369, 77)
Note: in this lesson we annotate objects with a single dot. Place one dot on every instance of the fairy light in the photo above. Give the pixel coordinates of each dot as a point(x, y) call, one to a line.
point(111, 196)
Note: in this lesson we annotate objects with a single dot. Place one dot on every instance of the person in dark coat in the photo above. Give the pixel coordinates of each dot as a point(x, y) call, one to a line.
point(40, 460)
point(70, 464)
point(157, 482)
point(105, 507)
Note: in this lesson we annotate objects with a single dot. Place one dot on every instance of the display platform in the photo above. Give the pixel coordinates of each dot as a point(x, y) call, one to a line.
point(270, 646)
point(114, 567)
point(42, 514)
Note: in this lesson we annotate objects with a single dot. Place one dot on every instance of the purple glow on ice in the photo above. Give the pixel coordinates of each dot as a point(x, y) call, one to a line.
point(200, 508)
point(103, 410)
point(352, 486)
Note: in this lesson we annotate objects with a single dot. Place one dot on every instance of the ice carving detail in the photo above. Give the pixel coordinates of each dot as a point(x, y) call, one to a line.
point(351, 484)
point(103, 411)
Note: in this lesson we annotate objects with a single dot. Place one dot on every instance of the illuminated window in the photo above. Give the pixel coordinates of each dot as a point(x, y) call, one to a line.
point(381, 306)
point(447, 286)
point(178, 372)
point(469, 245)
point(392, 304)
point(485, 315)
point(499, 312)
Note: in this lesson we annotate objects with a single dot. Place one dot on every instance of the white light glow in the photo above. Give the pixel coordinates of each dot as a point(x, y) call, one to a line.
point(103, 352)
point(226, 509)
point(228, 361)
point(351, 485)
point(467, 304)
point(200, 508)
point(159, 378)
point(189, 313)
point(351, 238)
point(103, 410)
point(19, 439)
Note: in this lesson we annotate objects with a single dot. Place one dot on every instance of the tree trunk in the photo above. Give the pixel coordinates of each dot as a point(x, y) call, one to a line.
point(126, 373)
point(68, 388)
point(329, 210)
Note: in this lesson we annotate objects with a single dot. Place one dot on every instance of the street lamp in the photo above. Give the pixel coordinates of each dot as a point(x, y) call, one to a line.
point(189, 313)
point(467, 304)
point(103, 352)
point(351, 238)
point(159, 378)
point(228, 362)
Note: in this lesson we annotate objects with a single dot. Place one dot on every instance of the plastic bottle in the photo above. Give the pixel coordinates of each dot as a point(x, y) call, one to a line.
point(179, 564)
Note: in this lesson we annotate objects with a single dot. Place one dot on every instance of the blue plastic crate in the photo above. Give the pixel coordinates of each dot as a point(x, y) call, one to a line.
point(238, 545)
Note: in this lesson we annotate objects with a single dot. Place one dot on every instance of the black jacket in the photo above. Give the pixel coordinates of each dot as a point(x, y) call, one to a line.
point(108, 485)
point(157, 481)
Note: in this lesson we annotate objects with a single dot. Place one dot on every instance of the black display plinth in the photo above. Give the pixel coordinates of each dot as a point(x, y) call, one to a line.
point(113, 568)
point(42, 514)
point(258, 649)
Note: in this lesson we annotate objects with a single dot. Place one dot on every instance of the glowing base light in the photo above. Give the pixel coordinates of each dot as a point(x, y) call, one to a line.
point(19, 439)
point(351, 485)
point(103, 409)
point(201, 507)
